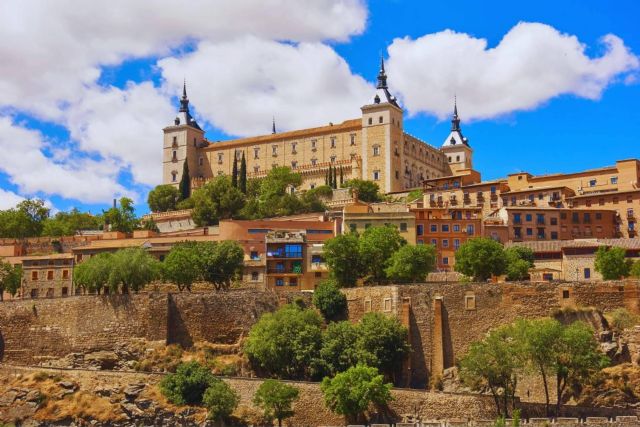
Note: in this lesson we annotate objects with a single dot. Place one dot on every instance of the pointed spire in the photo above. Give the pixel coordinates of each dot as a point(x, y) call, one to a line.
point(455, 120)
point(382, 76)
point(273, 126)
point(184, 101)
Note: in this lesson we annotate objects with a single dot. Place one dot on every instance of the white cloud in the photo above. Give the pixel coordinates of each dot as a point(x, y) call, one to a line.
point(532, 64)
point(24, 161)
point(52, 50)
point(9, 199)
point(239, 85)
point(125, 126)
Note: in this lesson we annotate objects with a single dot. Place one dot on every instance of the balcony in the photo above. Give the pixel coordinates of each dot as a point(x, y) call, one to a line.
point(254, 262)
point(284, 271)
point(319, 266)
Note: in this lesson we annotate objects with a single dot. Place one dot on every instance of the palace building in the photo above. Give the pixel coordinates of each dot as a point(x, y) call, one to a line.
point(372, 147)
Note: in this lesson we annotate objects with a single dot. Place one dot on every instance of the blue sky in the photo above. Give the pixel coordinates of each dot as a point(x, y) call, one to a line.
point(554, 87)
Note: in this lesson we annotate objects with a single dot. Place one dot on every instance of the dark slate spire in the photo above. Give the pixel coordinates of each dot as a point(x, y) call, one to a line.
point(184, 101)
point(455, 120)
point(273, 126)
point(382, 76)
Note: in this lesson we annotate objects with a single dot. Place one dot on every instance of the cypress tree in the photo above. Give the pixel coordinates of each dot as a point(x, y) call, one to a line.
point(234, 173)
point(327, 178)
point(243, 174)
point(335, 178)
point(341, 177)
point(185, 182)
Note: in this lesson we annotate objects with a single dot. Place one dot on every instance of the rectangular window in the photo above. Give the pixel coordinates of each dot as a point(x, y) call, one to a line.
point(255, 276)
point(313, 144)
point(50, 275)
point(528, 217)
point(445, 243)
point(587, 218)
point(258, 230)
point(256, 153)
point(445, 228)
point(376, 150)
point(456, 228)
point(220, 157)
point(575, 217)
point(274, 150)
point(470, 302)
point(65, 274)
point(293, 147)
point(517, 218)
point(333, 142)
point(419, 229)
point(254, 255)
point(598, 215)
point(493, 189)
point(403, 226)
point(592, 183)
point(445, 260)
point(34, 275)
point(353, 228)
point(539, 218)
point(517, 232)
point(312, 231)
point(554, 235)
point(279, 281)
point(387, 304)
point(529, 231)
point(614, 179)
point(294, 164)
point(470, 229)
point(353, 138)
point(434, 228)
point(434, 242)
point(587, 273)
point(553, 221)
point(293, 281)
point(376, 175)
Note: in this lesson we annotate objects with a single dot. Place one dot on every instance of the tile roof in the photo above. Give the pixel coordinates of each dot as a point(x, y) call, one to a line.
point(557, 245)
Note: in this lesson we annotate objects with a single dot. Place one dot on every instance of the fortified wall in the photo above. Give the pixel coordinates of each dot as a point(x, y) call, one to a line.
point(32, 331)
point(445, 318)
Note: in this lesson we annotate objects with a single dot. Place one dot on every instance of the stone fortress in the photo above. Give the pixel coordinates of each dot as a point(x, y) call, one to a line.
point(373, 147)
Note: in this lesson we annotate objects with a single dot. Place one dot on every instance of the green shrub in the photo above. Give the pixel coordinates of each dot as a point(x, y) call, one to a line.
point(622, 319)
point(329, 300)
point(220, 399)
point(188, 384)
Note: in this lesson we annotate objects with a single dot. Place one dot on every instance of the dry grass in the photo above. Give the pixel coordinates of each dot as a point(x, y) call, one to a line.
point(617, 386)
point(80, 405)
point(154, 393)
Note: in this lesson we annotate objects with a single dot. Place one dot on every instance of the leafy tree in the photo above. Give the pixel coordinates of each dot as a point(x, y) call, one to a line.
point(122, 218)
point(182, 266)
point(342, 255)
point(329, 300)
point(339, 350)
point(234, 173)
point(577, 359)
point(185, 204)
point(220, 399)
point(411, 263)
point(276, 400)
point(350, 393)
point(341, 177)
point(25, 220)
point(285, 343)
point(480, 258)
point(520, 252)
point(10, 278)
point(221, 262)
point(537, 337)
point(242, 180)
point(382, 342)
point(611, 263)
point(376, 246)
point(69, 223)
point(312, 199)
point(163, 198)
point(188, 385)
point(217, 199)
point(93, 274)
point(185, 182)
point(519, 261)
point(634, 271)
point(132, 268)
point(334, 181)
point(368, 191)
point(493, 363)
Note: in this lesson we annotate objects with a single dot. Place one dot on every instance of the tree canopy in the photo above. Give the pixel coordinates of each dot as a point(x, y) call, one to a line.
point(216, 200)
point(329, 300)
point(25, 220)
point(376, 247)
point(411, 263)
point(122, 218)
point(276, 400)
point(93, 274)
point(285, 343)
point(519, 261)
point(132, 269)
point(342, 255)
point(183, 265)
point(163, 198)
point(368, 191)
point(350, 393)
point(480, 258)
point(10, 278)
point(611, 263)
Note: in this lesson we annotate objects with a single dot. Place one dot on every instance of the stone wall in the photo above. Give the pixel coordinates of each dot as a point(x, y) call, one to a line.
point(34, 330)
point(469, 311)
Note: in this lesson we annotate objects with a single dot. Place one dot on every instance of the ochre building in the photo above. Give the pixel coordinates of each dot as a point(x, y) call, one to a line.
point(373, 147)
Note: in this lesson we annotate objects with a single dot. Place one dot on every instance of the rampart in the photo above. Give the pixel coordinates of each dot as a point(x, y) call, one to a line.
point(35, 330)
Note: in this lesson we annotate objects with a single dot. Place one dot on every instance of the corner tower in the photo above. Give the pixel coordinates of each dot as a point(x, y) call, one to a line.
point(456, 147)
point(182, 143)
point(382, 137)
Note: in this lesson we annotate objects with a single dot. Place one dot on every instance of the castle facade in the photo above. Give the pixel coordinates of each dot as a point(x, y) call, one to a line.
point(374, 147)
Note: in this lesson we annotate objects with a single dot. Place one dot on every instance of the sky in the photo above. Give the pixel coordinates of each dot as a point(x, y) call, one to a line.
point(86, 87)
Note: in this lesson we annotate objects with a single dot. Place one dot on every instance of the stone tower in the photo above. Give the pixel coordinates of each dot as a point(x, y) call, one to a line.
point(182, 142)
point(456, 147)
point(382, 138)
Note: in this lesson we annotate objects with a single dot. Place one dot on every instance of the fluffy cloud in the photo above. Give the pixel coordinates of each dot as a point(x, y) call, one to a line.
point(123, 125)
point(52, 50)
point(532, 64)
point(24, 161)
point(239, 85)
point(8, 199)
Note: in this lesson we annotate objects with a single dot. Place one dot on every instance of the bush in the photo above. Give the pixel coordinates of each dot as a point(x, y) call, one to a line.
point(276, 400)
point(188, 384)
point(350, 393)
point(220, 400)
point(480, 258)
point(329, 300)
point(611, 263)
point(622, 319)
point(382, 342)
